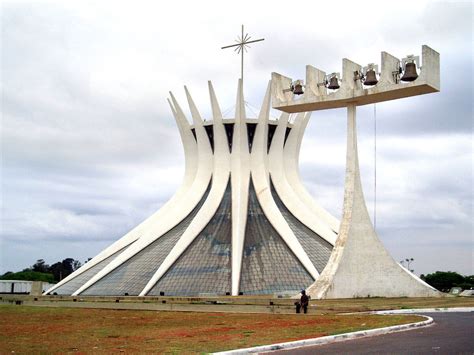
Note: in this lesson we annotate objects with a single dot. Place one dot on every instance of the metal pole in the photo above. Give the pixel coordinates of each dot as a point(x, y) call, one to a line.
point(242, 59)
point(240, 47)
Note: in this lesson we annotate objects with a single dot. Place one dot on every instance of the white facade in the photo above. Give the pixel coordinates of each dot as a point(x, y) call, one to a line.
point(233, 156)
point(21, 286)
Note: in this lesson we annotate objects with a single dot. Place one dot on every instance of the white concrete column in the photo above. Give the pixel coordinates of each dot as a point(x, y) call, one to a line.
point(240, 177)
point(177, 211)
point(220, 178)
point(261, 182)
point(166, 211)
point(309, 217)
point(359, 265)
point(291, 155)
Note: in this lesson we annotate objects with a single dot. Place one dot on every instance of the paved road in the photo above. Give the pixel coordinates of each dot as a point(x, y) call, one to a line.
point(453, 333)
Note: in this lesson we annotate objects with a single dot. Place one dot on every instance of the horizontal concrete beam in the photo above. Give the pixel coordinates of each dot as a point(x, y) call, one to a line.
point(318, 97)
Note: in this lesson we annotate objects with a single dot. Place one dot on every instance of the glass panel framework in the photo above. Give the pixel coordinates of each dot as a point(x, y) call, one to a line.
point(251, 127)
point(210, 134)
point(271, 132)
point(268, 265)
point(229, 131)
point(132, 276)
point(318, 249)
point(287, 133)
point(73, 285)
point(205, 266)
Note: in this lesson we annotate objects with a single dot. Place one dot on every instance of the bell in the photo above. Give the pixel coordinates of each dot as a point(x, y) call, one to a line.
point(298, 89)
point(410, 72)
point(333, 83)
point(370, 78)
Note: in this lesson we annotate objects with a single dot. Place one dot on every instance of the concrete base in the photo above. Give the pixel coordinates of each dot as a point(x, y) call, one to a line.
point(359, 265)
point(36, 288)
point(173, 304)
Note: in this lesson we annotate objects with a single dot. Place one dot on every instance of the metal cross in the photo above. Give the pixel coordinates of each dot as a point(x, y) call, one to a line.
point(241, 46)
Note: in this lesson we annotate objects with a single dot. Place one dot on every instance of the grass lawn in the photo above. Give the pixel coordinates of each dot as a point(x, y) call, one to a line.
point(25, 329)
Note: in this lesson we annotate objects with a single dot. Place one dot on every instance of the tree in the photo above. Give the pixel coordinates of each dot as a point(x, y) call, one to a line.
point(76, 265)
point(40, 266)
point(62, 269)
point(40, 271)
point(444, 280)
point(58, 271)
point(28, 275)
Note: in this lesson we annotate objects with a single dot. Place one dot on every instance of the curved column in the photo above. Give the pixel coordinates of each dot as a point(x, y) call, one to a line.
point(220, 179)
point(359, 265)
point(260, 178)
point(285, 190)
point(240, 178)
point(178, 211)
point(190, 153)
point(190, 157)
point(291, 153)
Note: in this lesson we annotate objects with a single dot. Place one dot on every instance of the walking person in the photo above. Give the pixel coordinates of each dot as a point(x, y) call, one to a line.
point(304, 300)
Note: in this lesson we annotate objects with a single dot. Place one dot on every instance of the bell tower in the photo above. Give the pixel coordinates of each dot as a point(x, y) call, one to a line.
point(359, 265)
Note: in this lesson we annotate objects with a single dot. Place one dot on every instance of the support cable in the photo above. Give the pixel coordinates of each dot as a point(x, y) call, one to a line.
point(227, 111)
point(375, 166)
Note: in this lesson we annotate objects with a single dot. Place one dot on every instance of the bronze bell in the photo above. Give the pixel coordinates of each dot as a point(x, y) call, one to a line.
point(298, 89)
point(370, 77)
point(410, 72)
point(333, 83)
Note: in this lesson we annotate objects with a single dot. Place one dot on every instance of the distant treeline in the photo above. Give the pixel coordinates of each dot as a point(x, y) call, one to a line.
point(445, 280)
point(40, 271)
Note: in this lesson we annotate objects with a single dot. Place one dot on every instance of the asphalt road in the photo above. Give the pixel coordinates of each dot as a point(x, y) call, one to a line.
point(452, 333)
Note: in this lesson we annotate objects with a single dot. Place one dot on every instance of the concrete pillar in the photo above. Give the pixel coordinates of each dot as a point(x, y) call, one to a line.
point(36, 288)
point(359, 265)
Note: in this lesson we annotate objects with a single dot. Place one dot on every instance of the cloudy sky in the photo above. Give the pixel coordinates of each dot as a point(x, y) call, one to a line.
point(89, 146)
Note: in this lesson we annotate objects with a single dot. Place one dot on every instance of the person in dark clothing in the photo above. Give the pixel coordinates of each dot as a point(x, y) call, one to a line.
point(303, 303)
point(304, 300)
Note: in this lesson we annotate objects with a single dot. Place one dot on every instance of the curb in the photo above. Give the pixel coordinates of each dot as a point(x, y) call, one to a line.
point(425, 310)
point(331, 338)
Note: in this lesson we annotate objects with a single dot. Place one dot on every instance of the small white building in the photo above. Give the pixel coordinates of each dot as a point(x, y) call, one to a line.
point(21, 286)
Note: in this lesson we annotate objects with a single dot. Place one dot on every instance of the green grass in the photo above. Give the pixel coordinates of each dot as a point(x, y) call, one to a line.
point(26, 329)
